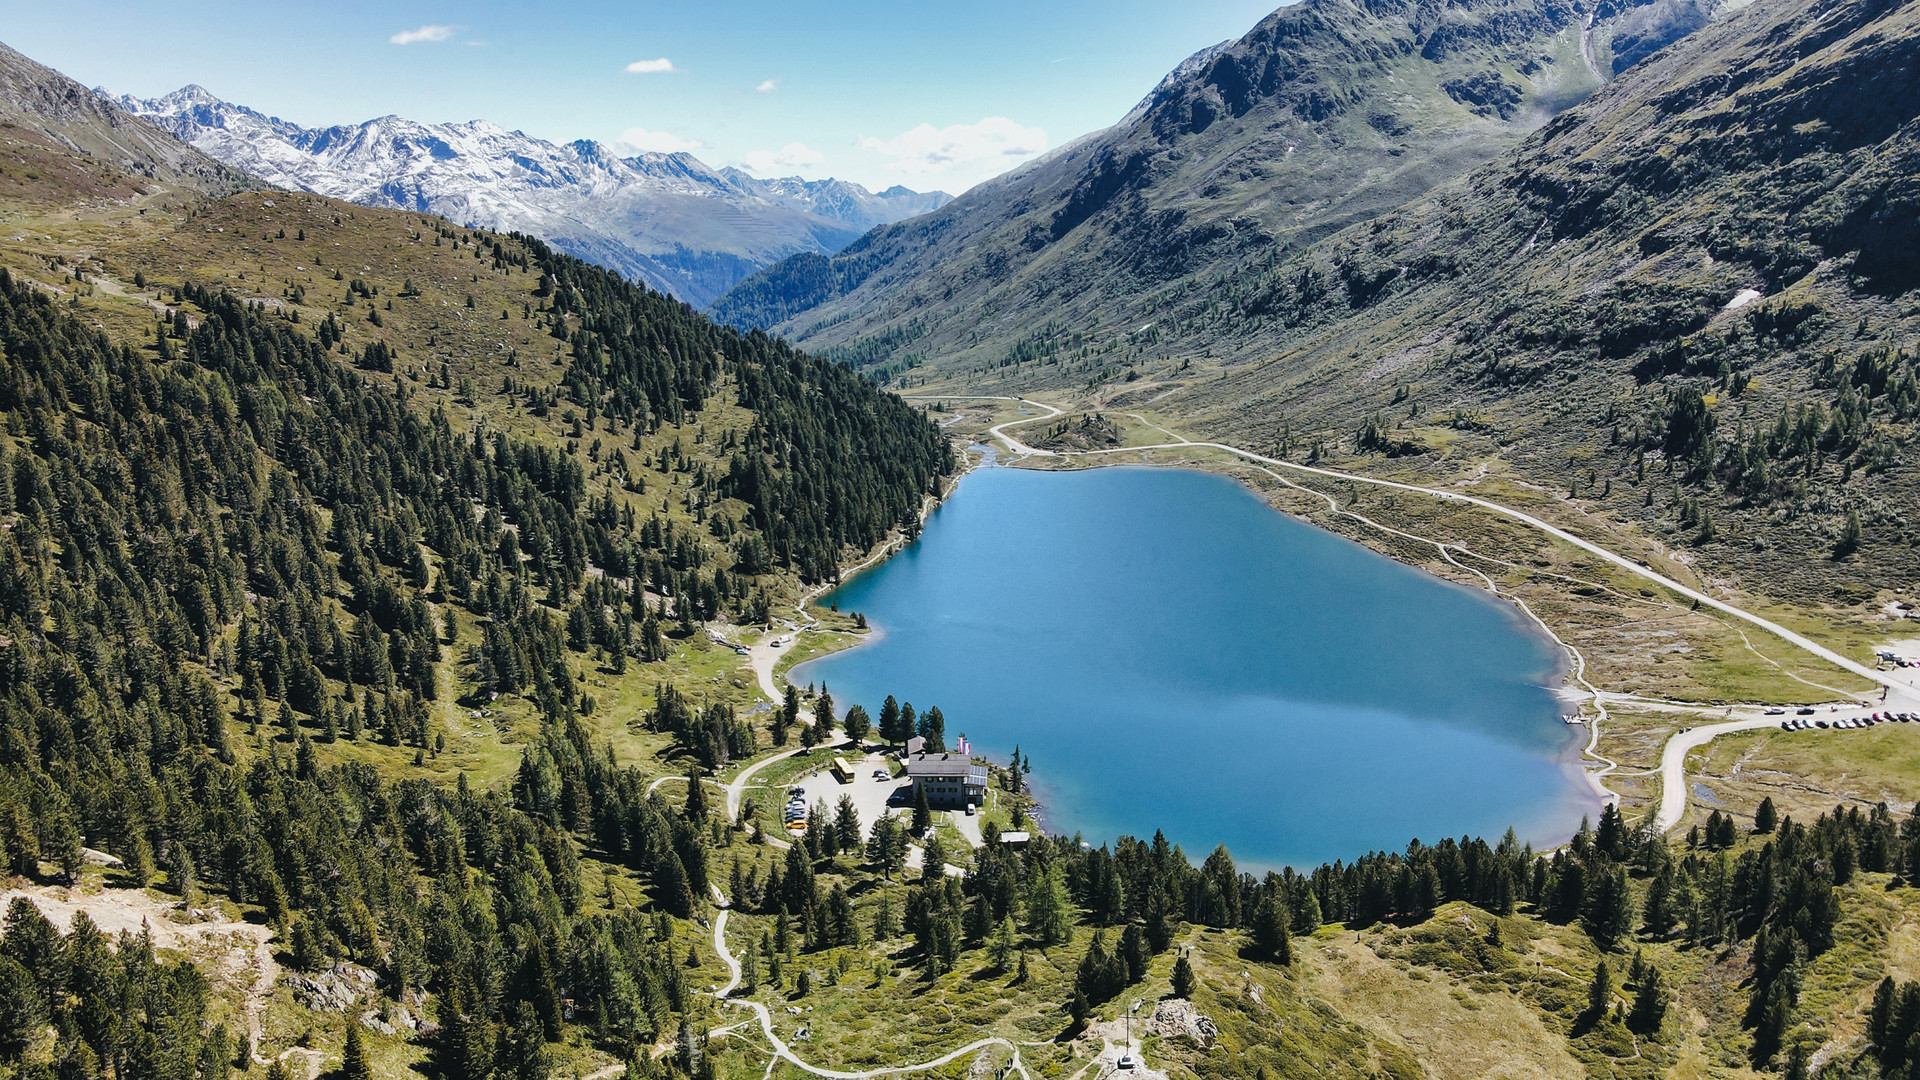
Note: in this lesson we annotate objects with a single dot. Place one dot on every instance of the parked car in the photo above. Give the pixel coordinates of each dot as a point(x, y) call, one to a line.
point(1806, 710)
point(1776, 712)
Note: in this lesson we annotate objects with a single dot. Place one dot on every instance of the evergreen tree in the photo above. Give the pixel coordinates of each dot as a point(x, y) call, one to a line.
point(887, 847)
point(846, 824)
point(1002, 946)
point(1600, 992)
point(1765, 819)
point(858, 725)
point(1049, 910)
point(1271, 940)
point(1182, 978)
point(23, 1009)
point(353, 1060)
point(933, 728)
point(1078, 1009)
point(922, 813)
point(696, 807)
point(823, 717)
point(1609, 906)
point(1649, 1003)
point(1134, 951)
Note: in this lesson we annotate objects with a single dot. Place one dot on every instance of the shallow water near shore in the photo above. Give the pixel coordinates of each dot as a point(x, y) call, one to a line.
point(1174, 654)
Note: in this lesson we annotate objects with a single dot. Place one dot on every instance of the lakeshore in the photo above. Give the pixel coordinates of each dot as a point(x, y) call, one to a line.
point(1174, 654)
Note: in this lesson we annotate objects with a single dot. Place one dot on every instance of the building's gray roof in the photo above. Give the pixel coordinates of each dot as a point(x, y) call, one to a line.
point(930, 766)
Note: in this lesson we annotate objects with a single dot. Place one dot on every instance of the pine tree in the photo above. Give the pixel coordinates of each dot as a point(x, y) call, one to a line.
point(857, 725)
point(1609, 907)
point(922, 811)
point(1133, 950)
point(1765, 819)
point(1049, 910)
point(1002, 945)
point(23, 1008)
point(1079, 1009)
point(696, 809)
point(1271, 940)
point(1182, 978)
point(933, 728)
point(1600, 992)
point(846, 824)
point(1649, 1003)
point(353, 1060)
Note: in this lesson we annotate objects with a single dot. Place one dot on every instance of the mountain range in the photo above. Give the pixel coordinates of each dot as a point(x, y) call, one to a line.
point(1325, 114)
point(664, 219)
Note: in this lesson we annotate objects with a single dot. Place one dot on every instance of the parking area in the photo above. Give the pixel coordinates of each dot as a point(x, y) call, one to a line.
point(870, 795)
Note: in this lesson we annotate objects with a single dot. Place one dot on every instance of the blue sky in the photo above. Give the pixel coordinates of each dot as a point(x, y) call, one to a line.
point(926, 95)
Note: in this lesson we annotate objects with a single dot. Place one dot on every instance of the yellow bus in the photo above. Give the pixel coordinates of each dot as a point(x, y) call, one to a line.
point(842, 771)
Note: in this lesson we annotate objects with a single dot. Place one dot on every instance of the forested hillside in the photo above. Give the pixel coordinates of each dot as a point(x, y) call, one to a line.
point(269, 556)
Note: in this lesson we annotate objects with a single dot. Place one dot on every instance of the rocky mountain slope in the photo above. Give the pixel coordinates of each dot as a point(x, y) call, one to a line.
point(1686, 306)
point(68, 117)
point(1325, 114)
point(664, 219)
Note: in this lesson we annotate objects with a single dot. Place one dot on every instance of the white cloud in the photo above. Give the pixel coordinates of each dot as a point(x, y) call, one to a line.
point(423, 33)
point(651, 67)
point(657, 142)
point(767, 87)
point(794, 155)
point(962, 150)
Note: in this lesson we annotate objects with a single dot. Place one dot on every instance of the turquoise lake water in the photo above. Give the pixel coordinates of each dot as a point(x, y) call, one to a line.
point(1174, 654)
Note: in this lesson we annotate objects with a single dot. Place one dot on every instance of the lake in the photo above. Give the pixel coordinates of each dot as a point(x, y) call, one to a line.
point(1173, 653)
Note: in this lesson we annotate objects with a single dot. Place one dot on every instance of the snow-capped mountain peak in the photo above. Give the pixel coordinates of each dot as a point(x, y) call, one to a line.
point(667, 219)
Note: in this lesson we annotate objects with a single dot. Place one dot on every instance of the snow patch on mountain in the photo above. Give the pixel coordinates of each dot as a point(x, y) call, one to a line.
point(666, 219)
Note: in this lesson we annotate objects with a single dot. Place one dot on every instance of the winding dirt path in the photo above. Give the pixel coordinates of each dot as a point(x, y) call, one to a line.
point(784, 1052)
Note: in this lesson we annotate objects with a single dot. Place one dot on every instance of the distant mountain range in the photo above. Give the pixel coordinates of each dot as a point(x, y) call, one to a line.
point(666, 219)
